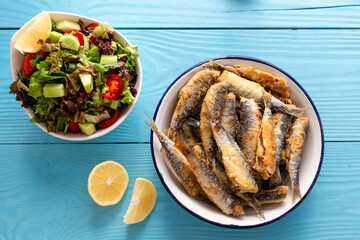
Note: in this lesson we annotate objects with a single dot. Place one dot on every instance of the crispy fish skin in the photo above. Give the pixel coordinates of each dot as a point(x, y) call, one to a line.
point(189, 135)
point(207, 139)
point(217, 168)
point(281, 125)
point(192, 122)
point(237, 129)
point(295, 145)
point(190, 97)
point(179, 163)
point(242, 87)
point(276, 179)
point(215, 99)
point(198, 79)
point(212, 107)
point(276, 195)
point(275, 85)
point(250, 122)
point(228, 115)
point(226, 201)
point(266, 148)
point(220, 173)
point(233, 159)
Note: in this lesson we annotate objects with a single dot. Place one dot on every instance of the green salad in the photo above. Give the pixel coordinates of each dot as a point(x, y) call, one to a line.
point(79, 80)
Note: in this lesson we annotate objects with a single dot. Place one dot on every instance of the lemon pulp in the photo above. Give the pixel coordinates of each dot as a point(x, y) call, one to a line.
point(107, 183)
point(142, 201)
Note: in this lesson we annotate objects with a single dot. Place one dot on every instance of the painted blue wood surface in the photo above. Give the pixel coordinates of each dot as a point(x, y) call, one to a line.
point(44, 196)
point(43, 193)
point(195, 14)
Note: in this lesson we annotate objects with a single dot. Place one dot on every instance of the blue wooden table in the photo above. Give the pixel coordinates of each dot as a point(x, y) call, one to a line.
point(43, 180)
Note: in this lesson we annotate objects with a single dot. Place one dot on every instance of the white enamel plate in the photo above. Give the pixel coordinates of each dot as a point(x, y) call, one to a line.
point(310, 166)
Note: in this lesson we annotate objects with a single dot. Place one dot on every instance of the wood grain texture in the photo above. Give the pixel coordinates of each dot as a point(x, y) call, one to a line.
point(43, 195)
point(325, 62)
point(195, 14)
point(43, 180)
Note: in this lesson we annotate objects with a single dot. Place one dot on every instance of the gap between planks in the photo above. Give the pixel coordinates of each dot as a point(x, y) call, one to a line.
point(295, 9)
point(92, 143)
point(223, 28)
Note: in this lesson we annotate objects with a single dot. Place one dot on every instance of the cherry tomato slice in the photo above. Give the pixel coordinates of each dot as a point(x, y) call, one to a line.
point(92, 26)
point(74, 127)
point(42, 53)
point(73, 59)
point(108, 122)
point(26, 65)
point(78, 35)
point(116, 87)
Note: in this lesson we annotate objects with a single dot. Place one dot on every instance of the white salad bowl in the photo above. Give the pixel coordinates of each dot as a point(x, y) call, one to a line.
point(310, 165)
point(16, 59)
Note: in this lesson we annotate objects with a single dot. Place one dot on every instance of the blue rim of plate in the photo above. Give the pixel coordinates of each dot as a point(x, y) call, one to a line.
point(322, 144)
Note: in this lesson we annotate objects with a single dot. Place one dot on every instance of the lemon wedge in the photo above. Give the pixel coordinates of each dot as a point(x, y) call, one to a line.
point(142, 201)
point(107, 183)
point(38, 29)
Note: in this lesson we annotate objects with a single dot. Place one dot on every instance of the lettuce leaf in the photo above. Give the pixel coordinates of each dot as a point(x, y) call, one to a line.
point(35, 89)
point(42, 106)
point(93, 54)
point(100, 68)
point(126, 97)
point(133, 52)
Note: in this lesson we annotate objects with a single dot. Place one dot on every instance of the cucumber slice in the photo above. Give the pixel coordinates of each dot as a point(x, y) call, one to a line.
point(113, 45)
point(98, 31)
point(70, 42)
point(86, 43)
point(87, 128)
point(66, 25)
point(96, 119)
point(107, 26)
point(87, 81)
point(114, 104)
point(108, 59)
point(54, 90)
point(54, 37)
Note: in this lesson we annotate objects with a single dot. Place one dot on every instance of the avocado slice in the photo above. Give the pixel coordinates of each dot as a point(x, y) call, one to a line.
point(108, 59)
point(70, 42)
point(54, 90)
point(66, 25)
point(87, 81)
point(87, 128)
point(54, 36)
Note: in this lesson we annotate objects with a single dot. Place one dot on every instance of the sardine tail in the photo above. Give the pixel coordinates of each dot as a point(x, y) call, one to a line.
point(275, 179)
point(296, 193)
point(295, 111)
point(153, 126)
point(257, 207)
point(220, 66)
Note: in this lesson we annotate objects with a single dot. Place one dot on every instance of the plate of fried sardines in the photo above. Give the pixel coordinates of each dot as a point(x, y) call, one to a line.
point(237, 142)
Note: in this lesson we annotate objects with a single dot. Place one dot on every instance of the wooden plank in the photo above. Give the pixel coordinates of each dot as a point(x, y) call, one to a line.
point(195, 14)
point(325, 62)
point(43, 195)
